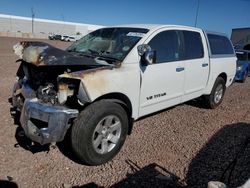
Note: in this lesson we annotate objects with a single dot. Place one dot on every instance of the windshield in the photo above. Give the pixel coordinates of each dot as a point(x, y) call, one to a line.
point(113, 43)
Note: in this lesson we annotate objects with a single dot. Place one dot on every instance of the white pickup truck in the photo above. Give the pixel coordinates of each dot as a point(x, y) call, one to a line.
point(98, 86)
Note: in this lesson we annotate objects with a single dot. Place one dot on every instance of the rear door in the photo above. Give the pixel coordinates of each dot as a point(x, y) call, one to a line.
point(196, 61)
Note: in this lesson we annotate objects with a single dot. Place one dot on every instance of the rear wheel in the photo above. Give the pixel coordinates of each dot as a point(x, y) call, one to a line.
point(216, 96)
point(99, 132)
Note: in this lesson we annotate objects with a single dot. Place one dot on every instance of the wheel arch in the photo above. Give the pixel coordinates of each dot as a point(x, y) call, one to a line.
point(212, 81)
point(224, 76)
point(122, 100)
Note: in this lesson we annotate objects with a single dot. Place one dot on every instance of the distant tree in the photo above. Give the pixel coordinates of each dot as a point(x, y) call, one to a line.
point(78, 33)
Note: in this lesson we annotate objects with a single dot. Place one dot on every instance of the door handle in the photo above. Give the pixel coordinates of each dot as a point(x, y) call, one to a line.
point(204, 64)
point(179, 69)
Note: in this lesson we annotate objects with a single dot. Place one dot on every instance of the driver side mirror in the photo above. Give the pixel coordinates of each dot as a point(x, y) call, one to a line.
point(148, 56)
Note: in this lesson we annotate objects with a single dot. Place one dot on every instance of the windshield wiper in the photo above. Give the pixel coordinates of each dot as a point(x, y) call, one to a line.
point(93, 52)
point(101, 55)
point(71, 50)
point(81, 53)
point(108, 58)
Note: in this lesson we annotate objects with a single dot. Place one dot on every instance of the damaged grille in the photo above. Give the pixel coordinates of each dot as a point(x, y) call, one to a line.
point(47, 94)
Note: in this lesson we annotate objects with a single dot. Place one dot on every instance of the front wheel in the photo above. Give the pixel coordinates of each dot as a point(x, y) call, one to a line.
point(99, 132)
point(216, 96)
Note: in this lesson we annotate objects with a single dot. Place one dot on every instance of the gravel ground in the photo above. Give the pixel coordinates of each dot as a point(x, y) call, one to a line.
point(185, 146)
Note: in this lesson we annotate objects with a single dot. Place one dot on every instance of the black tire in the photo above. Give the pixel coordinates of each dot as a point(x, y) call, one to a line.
point(211, 100)
point(84, 130)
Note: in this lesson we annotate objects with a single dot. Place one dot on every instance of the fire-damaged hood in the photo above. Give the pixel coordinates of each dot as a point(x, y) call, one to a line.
point(43, 54)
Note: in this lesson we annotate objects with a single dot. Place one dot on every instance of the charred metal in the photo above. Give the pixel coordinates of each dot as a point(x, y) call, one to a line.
point(41, 64)
point(41, 54)
point(44, 95)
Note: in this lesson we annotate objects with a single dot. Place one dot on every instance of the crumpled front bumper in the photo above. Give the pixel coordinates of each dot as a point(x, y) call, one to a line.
point(44, 123)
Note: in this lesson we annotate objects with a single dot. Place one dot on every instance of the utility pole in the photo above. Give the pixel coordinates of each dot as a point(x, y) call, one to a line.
point(63, 19)
point(197, 13)
point(32, 21)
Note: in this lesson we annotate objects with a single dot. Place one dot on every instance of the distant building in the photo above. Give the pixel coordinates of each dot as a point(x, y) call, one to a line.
point(241, 38)
point(17, 25)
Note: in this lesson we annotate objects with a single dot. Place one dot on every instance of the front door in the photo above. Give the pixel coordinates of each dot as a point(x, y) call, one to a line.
point(163, 82)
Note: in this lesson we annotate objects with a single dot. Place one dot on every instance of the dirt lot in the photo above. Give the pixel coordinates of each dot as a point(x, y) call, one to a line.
point(184, 145)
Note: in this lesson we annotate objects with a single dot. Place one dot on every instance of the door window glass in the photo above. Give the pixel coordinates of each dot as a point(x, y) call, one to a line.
point(193, 45)
point(167, 46)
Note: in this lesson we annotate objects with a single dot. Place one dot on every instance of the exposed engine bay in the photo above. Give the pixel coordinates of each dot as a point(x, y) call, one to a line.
point(44, 80)
point(41, 64)
point(48, 101)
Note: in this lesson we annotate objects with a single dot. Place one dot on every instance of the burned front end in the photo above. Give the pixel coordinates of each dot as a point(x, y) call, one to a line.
point(48, 104)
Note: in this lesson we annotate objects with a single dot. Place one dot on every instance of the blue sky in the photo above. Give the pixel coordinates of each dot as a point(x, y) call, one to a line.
point(215, 15)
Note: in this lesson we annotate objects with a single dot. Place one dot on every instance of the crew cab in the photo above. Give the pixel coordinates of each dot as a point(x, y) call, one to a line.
point(101, 84)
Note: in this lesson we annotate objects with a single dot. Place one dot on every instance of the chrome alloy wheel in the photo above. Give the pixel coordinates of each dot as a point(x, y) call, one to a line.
point(218, 93)
point(106, 134)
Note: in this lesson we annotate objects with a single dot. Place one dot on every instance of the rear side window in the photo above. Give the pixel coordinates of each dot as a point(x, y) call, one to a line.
point(193, 45)
point(220, 45)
